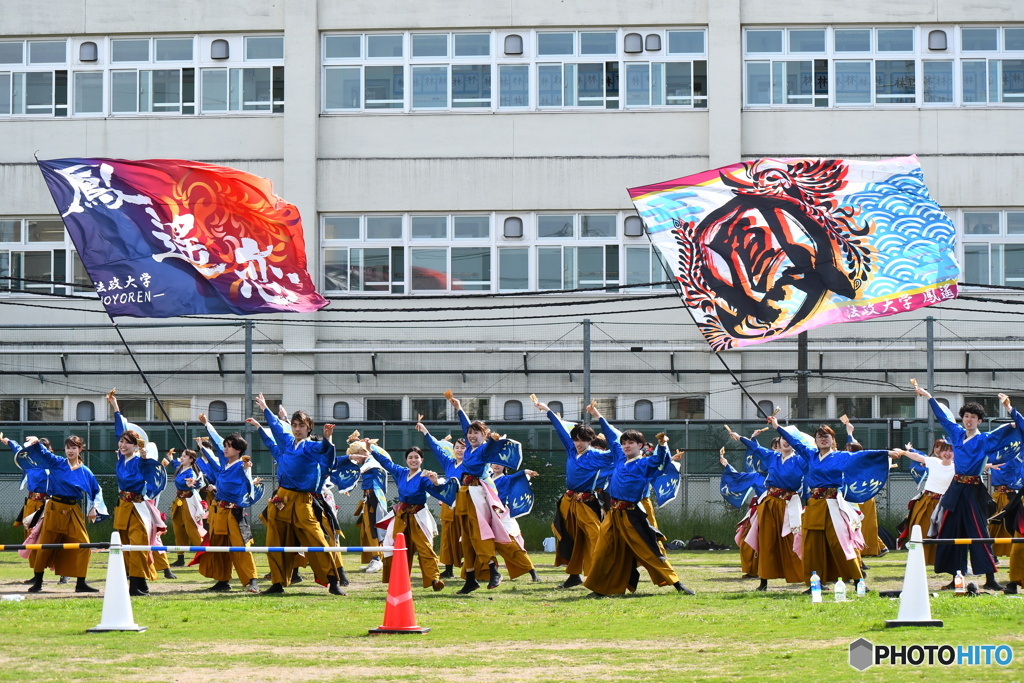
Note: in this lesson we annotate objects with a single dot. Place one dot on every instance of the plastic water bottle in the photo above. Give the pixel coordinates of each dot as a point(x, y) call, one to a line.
point(815, 587)
point(862, 589)
point(13, 598)
point(840, 591)
point(958, 584)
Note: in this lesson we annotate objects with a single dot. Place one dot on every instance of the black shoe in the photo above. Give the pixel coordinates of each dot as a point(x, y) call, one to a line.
point(37, 583)
point(342, 577)
point(992, 585)
point(447, 573)
point(137, 587)
point(1011, 588)
point(634, 580)
point(296, 578)
point(573, 580)
point(863, 567)
point(266, 577)
point(683, 589)
point(533, 576)
point(763, 585)
point(180, 562)
point(168, 574)
point(82, 587)
point(495, 579)
point(949, 586)
point(333, 588)
point(64, 581)
point(275, 589)
point(884, 551)
point(595, 596)
point(220, 587)
point(471, 584)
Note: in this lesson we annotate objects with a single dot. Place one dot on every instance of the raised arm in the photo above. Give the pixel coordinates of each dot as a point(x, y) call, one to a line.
point(436, 448)
point(384, 458)
point(798, 446)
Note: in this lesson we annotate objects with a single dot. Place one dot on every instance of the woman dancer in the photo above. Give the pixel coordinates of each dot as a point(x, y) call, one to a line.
point(373, 507)
point(831, 536)
point(940, 471)
point(451, 463)
point(187, 513)
point(63, 521)
point(873, 545)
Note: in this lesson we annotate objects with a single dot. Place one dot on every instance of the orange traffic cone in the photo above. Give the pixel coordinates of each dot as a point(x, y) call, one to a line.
point(399, 614)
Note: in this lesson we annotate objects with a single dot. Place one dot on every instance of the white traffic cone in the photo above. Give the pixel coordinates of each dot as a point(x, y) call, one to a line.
point(117, 604)
point(915, 607)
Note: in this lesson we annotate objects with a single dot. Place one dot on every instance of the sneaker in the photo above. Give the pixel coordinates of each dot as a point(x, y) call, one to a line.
point(884, 551)
point(494, 581)
point(375, 566)
point(168, 574)
point(64, 580)
point(252, 587)
point(1011, 588)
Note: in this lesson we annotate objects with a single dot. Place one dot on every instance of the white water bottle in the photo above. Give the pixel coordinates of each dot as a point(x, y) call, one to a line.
point(840, 591)
point(862, 589)
point(815, 587)
point(958, 584)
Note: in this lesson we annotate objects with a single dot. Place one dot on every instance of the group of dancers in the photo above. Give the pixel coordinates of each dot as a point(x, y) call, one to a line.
point(811, 515)
point(814, 512)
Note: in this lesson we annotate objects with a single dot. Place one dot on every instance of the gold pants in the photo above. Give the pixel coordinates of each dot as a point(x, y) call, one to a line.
point(185, 531)
point(869, 528)
point(129, 524)
point(296, 525)
point(224, 531)
point(1016, 561)
point(997, 530)
point(775, 557)
point(416, 542)
point(584, 526)
point(619, 549)
point(451, 537)
point(367, 530)
point(477, 552)
point(822, 552)
point(921, 515)
point(63, 523)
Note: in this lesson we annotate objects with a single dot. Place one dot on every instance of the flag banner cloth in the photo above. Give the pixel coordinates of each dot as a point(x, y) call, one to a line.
point(770, 248)
point(165, 237)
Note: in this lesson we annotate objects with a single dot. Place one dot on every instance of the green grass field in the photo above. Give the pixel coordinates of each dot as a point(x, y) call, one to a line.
point(520, 631)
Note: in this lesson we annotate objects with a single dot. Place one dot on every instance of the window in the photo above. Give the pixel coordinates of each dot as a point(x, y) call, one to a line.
point(643, 265)
point(45, 410)
point(836, 67)
point(513, 410)
point(993, 247)
point(218, 411)
point(34, 253)
point(384, 409)
point(766, 406)
point(177, 409)
point(643, 410)
point(815, 407)
point(85, 411)
point(555, 69)
point(134, 409)
point(340, 411)
point(853, 407)
point(477, 408)
point(272, 402)
point(430, 408)
point(556, 407)
point(10, 408)
point(607, 407)
point(901, 407)
point(989, 403)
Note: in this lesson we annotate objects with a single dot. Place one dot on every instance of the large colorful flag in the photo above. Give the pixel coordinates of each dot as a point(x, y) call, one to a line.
point(770, 248)
point(165, 237)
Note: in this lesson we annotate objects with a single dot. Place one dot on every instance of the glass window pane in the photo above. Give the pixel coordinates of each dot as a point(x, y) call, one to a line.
point(383, 46)
point(514, 86)
point(471, 227)
point(430, 45)
point(5, 93)
point(254, 86)
point(264, 47)
point(37, 265)
point(430, 408)
point(901, 407)
point(686, 42)
point(166, 90)
point(638, 85)
point(471, 268)
point(976, 264)
point(597, 43)
point(1013, 39)
point(1011, 80)
point(513, 268)
point(549, 268)
point(938, 81)
point(381, 409)
point(894, 81)
point(796, 80)
point(342, 88)
point(759, 83)
point(807, 40)
point(601, 225)
point(853, 40)
point(429, 269)
point(471, 85)
point(343, 47)
point(853, 82)
point(10, 230)
point(764, 41)
point(549, 86)
point(429, 87)
point(124, 91)
point(39, 92)
point(1015, 222)
point(88, 92)
point(384, 87)
point(974, 80)
point(1013, 264)
point(555, 226)
point(981, 222)
point(336, 269)
point(45, 231)
point(555, 43)
point(895, 40)
point(12, 52)
point(590, 84)
point(429, 227)
point(472, 44)
point(854, 406)
point(340, 411)
point(133, 50)
point(341, 227)
point(215, 90)
point(47, 52)
point(686, 408)
point(383, 227)
point(643, 410)
point(173, 49)
point(638, 265)
point(370, 270)
point(590, 266)
point(45, 410)
point(979, 39)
